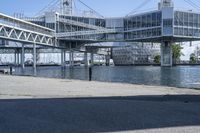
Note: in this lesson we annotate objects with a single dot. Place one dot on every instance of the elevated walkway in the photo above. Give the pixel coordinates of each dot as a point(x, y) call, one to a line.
point(81, 24)
point(15, 29)
point(82, 33)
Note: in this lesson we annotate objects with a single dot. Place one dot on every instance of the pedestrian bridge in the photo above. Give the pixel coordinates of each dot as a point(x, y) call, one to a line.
point(15, 29)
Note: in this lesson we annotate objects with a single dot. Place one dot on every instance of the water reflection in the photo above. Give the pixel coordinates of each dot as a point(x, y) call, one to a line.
point(183, 76)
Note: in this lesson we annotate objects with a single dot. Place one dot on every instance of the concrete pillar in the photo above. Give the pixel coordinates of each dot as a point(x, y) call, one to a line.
point(92, 59)
point(72, 58)
point(63, 57)
point(85, 59)
point(23, 57)
point(34, 56)
point(166, 54)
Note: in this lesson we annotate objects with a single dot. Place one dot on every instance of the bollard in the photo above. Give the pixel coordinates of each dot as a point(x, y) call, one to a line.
point(90, 73)
point(11, 70)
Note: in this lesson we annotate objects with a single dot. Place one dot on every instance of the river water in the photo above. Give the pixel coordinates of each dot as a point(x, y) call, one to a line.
point(181, 76)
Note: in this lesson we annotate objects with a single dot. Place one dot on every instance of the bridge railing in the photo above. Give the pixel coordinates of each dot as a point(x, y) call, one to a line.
point(82, 33)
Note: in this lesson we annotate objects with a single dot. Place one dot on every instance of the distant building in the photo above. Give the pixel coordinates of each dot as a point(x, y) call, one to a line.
point(135, 53)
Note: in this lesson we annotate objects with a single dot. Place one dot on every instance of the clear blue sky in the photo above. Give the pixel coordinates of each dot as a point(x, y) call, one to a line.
point(105, 7)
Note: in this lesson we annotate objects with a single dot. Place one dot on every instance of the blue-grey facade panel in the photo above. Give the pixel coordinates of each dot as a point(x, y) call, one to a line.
point(187, 24)
point(143, 26)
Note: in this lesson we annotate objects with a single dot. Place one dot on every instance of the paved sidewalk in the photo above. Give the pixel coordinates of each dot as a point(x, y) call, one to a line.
point(40, 105)
point(31, 87)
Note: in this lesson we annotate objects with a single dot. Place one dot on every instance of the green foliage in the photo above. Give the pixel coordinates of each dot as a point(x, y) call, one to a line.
point(193, 58)
point(176, 50)
point(157, 59)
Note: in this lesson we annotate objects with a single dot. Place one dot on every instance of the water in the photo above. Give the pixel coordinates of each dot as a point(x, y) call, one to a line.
point(181, 76)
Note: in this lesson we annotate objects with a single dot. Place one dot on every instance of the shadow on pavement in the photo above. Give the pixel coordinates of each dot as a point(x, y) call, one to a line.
point(90, 115)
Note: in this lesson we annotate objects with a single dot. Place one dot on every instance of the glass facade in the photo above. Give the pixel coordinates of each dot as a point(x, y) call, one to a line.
point(186, 24)
point(65, 27)
point(167, 27)
point(135, 53)
point(143, 26)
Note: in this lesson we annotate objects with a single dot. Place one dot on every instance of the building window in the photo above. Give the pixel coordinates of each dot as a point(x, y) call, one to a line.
point(167, 23)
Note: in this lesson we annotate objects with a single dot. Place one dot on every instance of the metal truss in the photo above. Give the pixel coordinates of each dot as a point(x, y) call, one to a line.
point(15, 29)
point(22, 35)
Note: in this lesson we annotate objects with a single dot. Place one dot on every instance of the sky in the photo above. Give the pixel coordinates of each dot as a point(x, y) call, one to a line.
point(107, 8)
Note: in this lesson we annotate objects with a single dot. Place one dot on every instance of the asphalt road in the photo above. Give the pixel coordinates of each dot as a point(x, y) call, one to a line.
point(162, 114)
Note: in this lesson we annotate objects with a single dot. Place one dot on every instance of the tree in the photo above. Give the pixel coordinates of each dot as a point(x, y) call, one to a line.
point(176, 50)
point(157, 59)
point(193, 58)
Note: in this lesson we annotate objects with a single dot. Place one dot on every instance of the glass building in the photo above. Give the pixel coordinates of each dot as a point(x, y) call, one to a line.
point(135, 54)
point(166, 25)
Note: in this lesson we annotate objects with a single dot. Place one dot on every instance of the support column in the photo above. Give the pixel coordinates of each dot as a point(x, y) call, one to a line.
point(92, 59)
point(22, 57)
point(166, 54)
point(85, 59)
point(62, 57)
point(70, 58)
point(72, 52)
point(15, 62)
point(34, 56)
point(18, 57)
